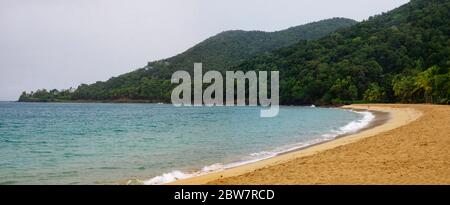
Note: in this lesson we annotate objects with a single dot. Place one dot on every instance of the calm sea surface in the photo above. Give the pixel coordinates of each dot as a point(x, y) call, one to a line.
point(50, 143)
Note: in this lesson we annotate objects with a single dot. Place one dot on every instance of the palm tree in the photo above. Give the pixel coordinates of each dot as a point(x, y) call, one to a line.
point(425, 81)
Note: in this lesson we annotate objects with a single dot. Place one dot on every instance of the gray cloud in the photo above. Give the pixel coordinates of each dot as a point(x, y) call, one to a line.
point(62, 43)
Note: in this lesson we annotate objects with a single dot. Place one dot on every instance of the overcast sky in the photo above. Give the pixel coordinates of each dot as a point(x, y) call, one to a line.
point(62, 43)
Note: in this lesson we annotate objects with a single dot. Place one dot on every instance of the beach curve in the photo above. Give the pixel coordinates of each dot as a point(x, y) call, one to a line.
point(349, 159)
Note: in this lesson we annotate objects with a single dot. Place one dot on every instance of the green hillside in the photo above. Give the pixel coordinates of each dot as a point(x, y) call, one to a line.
point(230, 48)
point(220, 52)
point(399, 56)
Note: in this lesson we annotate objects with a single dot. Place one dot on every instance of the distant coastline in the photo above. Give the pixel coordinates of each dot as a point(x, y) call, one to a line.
point(95, 101)
point(126, 101)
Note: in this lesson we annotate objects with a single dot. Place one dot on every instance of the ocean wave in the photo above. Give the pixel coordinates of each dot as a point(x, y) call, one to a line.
point(177, 175)
point(349, 128)
point(167, 177)
point(357, 125)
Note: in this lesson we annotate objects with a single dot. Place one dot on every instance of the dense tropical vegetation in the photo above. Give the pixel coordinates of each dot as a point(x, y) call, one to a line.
point(399, 56)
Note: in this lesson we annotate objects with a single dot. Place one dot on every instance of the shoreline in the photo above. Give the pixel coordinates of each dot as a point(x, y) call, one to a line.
point(379, 118)
point(386, 118)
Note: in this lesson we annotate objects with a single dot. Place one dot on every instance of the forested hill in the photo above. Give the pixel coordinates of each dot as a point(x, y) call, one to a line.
point(230, 48)
point(399, 56)
point(219, 52)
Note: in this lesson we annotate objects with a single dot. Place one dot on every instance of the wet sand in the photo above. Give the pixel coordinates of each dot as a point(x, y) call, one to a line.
point(410, 146)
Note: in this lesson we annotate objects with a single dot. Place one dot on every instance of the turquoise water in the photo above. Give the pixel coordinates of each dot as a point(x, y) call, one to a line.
point(46, 143)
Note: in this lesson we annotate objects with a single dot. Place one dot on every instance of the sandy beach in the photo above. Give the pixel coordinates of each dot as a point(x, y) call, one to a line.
point(412, 146)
